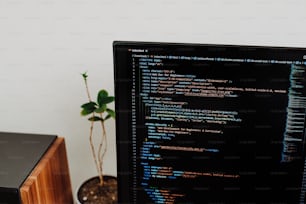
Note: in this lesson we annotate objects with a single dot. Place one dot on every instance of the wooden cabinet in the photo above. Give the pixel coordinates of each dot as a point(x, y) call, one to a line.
point(49, 182)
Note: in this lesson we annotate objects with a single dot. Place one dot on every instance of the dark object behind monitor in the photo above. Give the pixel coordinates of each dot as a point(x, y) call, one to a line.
point(19, 154)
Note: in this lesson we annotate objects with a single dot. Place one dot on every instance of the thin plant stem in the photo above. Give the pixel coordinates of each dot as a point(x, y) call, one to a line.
point(92, 147)
point(87, 90)
point(97, 159)
point(102, 148)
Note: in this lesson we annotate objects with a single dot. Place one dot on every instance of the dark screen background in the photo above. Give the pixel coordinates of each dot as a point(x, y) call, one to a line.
point(242, 161)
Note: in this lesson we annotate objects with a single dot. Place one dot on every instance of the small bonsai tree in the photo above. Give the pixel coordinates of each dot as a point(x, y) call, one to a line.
point(98, 112)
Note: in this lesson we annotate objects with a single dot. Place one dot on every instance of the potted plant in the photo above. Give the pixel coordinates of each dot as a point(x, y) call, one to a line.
point(101, 189)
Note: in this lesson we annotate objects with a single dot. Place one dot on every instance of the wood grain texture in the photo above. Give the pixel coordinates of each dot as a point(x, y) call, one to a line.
point(49, 182)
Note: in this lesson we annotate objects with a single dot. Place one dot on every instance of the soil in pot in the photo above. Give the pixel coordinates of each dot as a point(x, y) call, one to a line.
point(91, 193)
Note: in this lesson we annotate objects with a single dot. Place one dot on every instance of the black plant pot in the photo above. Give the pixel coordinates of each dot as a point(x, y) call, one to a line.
point(91, 193)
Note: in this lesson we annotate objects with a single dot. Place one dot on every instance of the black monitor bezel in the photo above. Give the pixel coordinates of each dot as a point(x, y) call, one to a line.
point(122, 93)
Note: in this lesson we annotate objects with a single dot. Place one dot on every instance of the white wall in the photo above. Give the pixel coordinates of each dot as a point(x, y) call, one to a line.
point(46, 44)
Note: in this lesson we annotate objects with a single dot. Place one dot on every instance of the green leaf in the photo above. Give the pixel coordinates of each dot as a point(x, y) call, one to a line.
point(89, 105)
point(111, 113)
point(88, 108)
point(106, 100)
point(85, 112)
point(84, 75)
point(95, 118)
point(107, 117)
point(101, 109)
point(103, 97)
point(103, 93)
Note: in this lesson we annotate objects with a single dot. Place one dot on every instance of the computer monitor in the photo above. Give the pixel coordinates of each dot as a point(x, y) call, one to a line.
point(210, 123)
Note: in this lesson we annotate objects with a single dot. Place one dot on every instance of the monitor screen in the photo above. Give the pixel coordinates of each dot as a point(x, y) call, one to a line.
point(210, 123)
